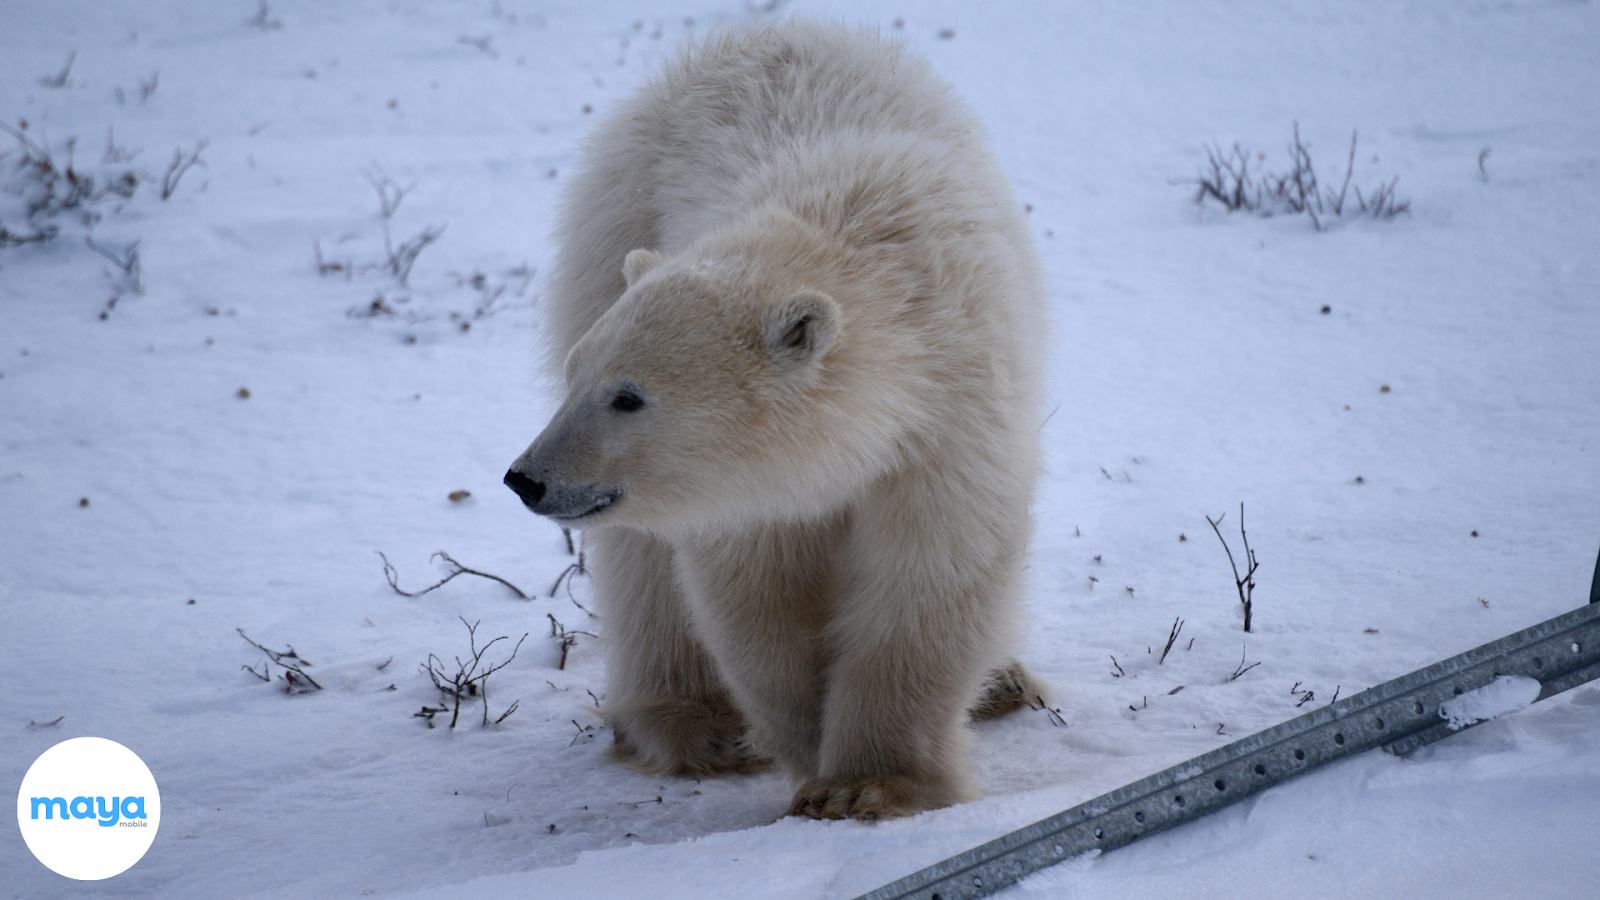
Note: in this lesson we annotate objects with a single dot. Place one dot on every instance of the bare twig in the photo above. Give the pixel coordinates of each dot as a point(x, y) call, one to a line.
point(1241, 668)
point(261, 21)
point(1118, 673)
point(115, 154)
point(567, 637)
point(456, 568)
point(400, 259)
point(1051, 713)
point(471, 677)
point(485, 43)
point(39, 235)
point(50, 188)
point(569, 573)
point(390, 193)
point(583, 731)
point(181, 163)
point(59, 79)
point(325, 267)
point(1245, 585)
point(127, 261)
point(1228, 179)
point(1350, 169)
point(1172, 637)
point(295, 679)
point(1304, 696)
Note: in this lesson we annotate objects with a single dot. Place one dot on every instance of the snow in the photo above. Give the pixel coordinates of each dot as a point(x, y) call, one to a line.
point(1194, 371)
point(1506, 694)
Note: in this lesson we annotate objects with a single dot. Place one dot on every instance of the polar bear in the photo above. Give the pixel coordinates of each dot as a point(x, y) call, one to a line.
point(800, 320)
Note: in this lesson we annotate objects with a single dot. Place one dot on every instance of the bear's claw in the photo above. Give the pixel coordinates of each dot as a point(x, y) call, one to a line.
point(868, 799)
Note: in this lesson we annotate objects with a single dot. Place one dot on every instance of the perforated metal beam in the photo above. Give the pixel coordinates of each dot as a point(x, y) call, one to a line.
point(1399, 716)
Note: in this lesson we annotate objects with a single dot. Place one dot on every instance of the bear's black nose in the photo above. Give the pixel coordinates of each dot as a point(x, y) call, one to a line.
point(529, 490)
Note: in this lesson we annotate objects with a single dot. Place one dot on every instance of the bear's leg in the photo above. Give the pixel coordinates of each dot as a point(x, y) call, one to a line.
point(666, 705)
point(759, 599)
point(927, 588)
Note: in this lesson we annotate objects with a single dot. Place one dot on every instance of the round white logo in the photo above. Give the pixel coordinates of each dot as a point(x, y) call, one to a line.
point(88, 808)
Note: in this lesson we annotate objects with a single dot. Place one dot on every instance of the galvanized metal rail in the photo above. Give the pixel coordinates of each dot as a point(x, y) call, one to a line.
point(1399, 716)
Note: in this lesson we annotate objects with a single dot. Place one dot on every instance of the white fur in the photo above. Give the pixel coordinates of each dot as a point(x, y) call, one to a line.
point(835, 326)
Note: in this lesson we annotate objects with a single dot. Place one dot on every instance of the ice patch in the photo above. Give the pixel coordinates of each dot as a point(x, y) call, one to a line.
point(1506, 694)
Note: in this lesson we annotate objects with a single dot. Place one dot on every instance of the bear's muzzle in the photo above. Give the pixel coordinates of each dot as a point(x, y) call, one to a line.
point(562, 503)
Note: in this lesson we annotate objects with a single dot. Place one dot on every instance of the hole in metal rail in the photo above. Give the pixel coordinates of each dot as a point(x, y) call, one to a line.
point(1098, 834)
point(1017, 865)
point(1456, 690)
point(1378, 723)
point(1138, 816)
point(1299, 755)
point(1260, 769)
point(1338, 739)
point(936, 897)
point(1178, 799)
point(1538, 663)
point(1417, 707)
point(1577, 647)
point(1220, 785)
point(977, 881)
point(1060, 849)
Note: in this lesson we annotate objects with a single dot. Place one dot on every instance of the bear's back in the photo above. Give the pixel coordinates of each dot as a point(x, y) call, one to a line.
point(690, 135)
point(849, 131)
point(750, 92)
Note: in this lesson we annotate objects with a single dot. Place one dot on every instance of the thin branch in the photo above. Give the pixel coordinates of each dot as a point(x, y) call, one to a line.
point(294, 676)
point(392, 576)
point(261, 21)
point(127, 261)
point(181, 163)
point(567, 637)
point(471, 677)
point(60, 78)
point(1242, 668)
point(569, 573)
point(1172, 638)
point(390, 193)
point(401, 259)
point(1245, 585)
point(1350, 169)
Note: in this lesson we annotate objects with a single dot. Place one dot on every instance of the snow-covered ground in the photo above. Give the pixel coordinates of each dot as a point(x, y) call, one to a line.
point(232, 447)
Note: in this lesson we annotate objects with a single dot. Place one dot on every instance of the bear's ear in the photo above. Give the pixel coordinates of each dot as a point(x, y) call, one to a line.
point(639, 262)
point(802, 328)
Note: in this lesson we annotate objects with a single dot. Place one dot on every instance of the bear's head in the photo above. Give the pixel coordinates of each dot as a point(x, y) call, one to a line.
point(699, 398)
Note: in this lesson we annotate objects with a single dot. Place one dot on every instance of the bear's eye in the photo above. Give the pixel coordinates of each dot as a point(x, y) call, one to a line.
point(626, 402)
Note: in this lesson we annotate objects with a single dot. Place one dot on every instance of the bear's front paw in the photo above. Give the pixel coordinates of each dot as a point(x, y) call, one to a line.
point(884, 797)
point(696, 738)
